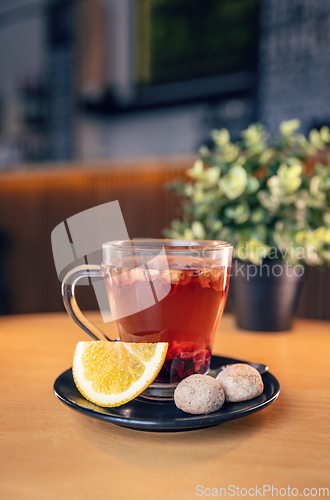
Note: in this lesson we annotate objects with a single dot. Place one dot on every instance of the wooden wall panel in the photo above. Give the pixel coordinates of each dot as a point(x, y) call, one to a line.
point(315, 295)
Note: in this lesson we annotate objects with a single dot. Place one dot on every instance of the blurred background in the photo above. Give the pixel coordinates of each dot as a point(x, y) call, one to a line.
point(110, 99)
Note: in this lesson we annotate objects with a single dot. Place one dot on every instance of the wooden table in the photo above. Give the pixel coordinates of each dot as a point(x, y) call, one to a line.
point(49, 451)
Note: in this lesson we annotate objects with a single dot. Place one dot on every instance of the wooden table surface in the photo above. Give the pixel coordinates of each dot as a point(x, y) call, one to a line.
point(49, 451)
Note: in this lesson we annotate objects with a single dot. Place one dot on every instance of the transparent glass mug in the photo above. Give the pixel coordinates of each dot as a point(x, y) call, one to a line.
point(161, 291)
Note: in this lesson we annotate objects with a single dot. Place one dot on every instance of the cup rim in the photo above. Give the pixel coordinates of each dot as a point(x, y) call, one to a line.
point(170, 245)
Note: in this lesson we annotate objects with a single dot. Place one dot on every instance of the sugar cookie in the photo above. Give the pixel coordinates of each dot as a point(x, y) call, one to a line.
point(199, 394)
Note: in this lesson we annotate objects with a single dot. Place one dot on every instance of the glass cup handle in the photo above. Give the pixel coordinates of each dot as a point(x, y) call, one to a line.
point(69, 299)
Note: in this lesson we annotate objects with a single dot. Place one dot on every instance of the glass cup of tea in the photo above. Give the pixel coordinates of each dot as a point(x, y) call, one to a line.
point(162, 291)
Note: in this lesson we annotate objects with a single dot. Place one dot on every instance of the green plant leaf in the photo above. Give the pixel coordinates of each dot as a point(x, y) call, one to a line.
point(288, 127)
point(325, 134)
point(266, 155)
point(197, 172)
point(188, 234)
point(212, 175)
point(239, 213)
point(258, 215)
point(315, 139)
point(287, 180)
point(252, 184)
point(198, 230)
point(233, 184)
point(220, 137)
point(252, 250)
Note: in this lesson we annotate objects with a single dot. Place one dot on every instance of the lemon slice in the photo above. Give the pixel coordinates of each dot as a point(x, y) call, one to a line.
point(113, 373)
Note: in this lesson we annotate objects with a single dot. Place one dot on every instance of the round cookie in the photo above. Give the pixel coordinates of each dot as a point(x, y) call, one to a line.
point(199, 394)
point(240, 382)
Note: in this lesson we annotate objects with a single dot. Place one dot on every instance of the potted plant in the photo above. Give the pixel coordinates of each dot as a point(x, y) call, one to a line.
point(270, 198)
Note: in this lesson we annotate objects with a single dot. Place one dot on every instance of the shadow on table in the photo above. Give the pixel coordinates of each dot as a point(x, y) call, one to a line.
point(155, 449)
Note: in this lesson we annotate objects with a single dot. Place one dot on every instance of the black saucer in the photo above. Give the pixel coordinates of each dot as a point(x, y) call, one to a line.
point(146, 415)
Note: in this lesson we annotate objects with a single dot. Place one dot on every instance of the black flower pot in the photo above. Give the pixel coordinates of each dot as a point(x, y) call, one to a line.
point(265, 298)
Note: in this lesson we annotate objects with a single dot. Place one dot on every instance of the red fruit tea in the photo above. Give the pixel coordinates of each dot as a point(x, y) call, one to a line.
point(187, 318)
